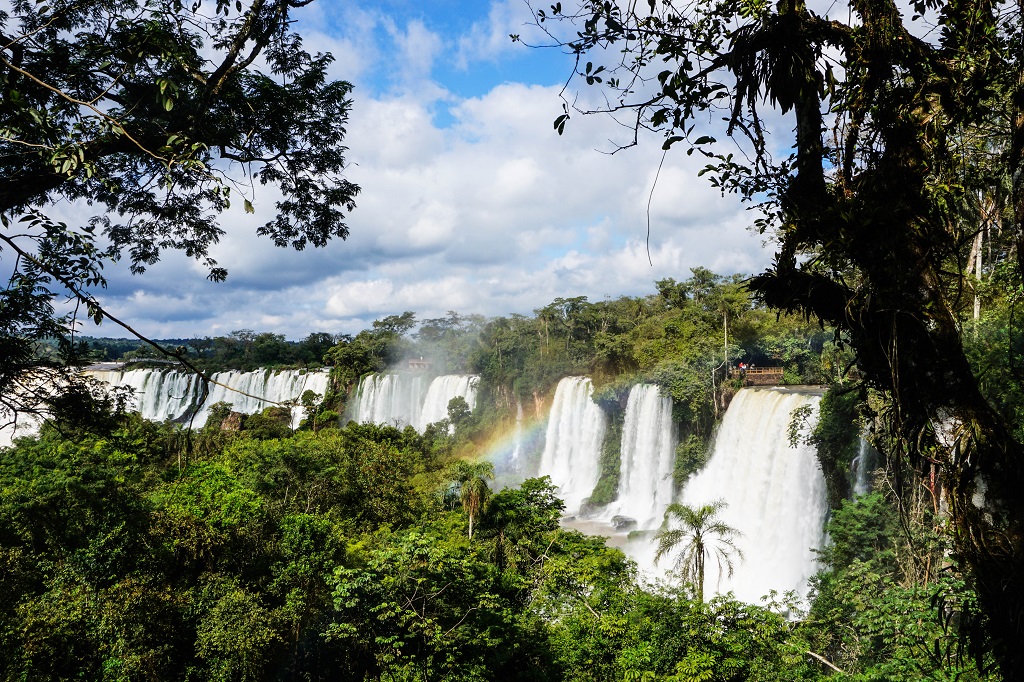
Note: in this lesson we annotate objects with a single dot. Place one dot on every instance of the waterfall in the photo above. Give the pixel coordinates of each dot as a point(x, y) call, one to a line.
point(775, 494)
point(647, 457)
point(162, 394)
point(398, 398)
point(572, 446)
point(389, 399)
point(517, 435)
point(441, 391)
point(264, 388)
point(862, 468)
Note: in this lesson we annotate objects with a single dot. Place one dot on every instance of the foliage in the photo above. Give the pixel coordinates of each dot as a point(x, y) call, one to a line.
point(836, 437)
point(702, 536)
point(873, 615)
point(154, 113)
point(607, 488)
point(691, 456)
point(908, 150)
point(213, 569)
point(474, 493)
point(662, 635)
point(272, 422)
point(514, 526)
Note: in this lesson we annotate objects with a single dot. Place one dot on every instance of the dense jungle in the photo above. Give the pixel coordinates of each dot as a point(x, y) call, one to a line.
point(137, 550)
point(882, 157)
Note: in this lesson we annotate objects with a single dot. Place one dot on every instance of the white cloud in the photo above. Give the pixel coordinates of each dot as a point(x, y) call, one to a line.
point(488, 39)
point(360, 297)
point(418, 47)
point(492, 213)
point(355, 49)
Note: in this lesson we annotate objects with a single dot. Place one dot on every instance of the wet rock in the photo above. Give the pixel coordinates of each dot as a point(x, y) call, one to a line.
point(623, 523)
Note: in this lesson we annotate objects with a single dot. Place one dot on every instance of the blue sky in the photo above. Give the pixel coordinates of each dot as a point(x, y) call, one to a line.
point(469, 201)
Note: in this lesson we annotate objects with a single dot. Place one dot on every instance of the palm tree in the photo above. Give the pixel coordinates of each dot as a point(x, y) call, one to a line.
point(473, 489)
point(702, 535)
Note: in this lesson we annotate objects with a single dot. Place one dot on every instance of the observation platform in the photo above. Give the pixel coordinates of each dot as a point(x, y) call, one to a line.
point(758, 376)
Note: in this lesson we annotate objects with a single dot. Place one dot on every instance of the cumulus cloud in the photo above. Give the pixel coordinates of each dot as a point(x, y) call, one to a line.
point(418, 47)
point(488, 38)
point(484, 210)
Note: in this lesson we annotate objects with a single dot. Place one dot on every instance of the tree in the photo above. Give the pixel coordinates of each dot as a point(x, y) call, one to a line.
point(881, 569)
point(895, 137)
point(473, 489)
point(517, 524)
point(371, 350)
point(154, 113)
point(421, 606)
point(702, 536)
point(313, 348)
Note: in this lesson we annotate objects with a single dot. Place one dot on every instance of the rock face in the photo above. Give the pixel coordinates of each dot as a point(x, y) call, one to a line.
point(622, 523)
point(232, 422)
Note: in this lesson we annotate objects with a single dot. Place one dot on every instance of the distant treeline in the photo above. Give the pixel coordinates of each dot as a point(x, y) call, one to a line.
point(243, 350)
point(675, 336)
point(684, 336)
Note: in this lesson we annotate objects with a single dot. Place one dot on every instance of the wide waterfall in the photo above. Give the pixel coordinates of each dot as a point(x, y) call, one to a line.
point(399, 398)
point(775, 494)
point(647, 457)
point(251, 392)
point(572, 446)
point(162, 394)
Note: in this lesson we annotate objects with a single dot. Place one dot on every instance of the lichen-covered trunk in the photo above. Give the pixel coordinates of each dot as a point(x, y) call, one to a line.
point(885, 285)
point(920, 362)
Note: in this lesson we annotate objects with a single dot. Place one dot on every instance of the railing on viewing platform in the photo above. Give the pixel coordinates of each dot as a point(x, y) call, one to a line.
point(758, 376)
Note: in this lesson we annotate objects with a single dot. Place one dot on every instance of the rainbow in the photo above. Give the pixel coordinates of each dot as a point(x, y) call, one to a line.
point(501, 444)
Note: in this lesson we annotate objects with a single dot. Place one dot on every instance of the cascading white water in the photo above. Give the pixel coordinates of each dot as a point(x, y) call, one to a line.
point(775, 494)
point(389, 399)
point(251, 392)
point(572, 446)
point(162, 394)
point(398, 398)
point(441, 391)
point(647, 457)
point(862, 467)
point(517, 434)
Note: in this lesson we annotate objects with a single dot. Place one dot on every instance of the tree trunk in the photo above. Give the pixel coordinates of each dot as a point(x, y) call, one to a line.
point(909, 344)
